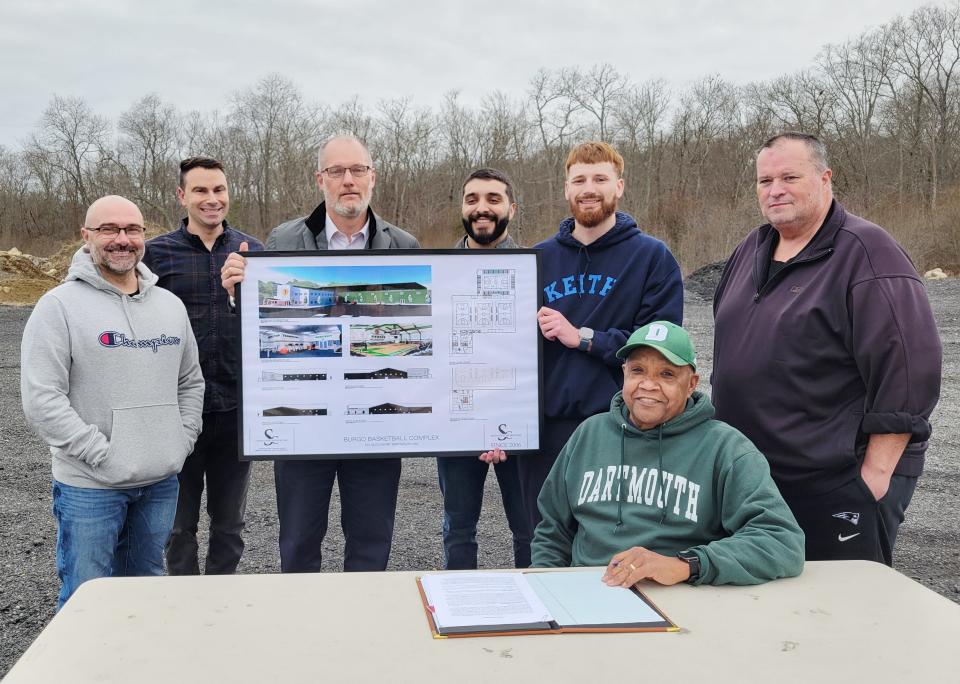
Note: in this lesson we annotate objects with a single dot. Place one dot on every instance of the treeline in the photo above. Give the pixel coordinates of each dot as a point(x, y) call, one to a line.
point(886, 103)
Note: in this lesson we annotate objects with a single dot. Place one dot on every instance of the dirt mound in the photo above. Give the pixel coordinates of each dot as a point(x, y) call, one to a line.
point(703, 282)
point(60, 260)
point(25, 277)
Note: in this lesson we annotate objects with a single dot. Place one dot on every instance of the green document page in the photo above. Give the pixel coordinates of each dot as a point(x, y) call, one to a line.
point(580, 599)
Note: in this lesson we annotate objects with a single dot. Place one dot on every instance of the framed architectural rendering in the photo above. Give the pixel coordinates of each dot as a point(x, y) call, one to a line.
point(354, 354)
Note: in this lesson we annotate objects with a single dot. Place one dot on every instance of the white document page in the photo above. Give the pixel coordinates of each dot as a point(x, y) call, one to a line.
point(580, 598)
point(469, 599)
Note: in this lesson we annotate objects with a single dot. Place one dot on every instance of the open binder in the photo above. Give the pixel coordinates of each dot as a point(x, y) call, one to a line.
point(465, 604)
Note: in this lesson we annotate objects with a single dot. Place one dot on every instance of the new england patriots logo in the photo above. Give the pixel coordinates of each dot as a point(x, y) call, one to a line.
point(110, 339)
point(848, 516)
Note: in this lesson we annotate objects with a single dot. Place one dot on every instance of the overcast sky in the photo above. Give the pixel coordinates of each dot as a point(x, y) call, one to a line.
point(195, 54)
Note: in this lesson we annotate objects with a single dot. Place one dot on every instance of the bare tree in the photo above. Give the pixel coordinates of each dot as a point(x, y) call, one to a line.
point(148, 152)
point(351, 118)
point(858, 73)
point(927, 45)
point(640, 114)
point(404, 151)
point(555, 112)
point(798, 101)
point(279, 131)
point(71, 143)
point(598, 92)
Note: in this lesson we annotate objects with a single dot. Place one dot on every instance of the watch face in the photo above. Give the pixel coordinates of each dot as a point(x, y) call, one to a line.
point(586, 333)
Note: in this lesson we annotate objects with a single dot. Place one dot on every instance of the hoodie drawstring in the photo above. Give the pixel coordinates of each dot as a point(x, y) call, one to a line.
point(663, 495)
point(126, 313)
point(584, 255)
point(623, 433)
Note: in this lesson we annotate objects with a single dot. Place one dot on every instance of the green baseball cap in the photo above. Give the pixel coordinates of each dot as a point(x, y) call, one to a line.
point(667, 338)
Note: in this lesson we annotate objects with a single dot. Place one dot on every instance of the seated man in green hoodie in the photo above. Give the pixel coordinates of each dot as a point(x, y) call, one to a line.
point(656, 489)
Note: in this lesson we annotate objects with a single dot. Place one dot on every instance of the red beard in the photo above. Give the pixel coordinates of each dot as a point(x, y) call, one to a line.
point(590, 218)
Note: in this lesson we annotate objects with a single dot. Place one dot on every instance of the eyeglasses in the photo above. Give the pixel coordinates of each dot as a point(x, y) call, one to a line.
point(357, 171)
point(111, 231)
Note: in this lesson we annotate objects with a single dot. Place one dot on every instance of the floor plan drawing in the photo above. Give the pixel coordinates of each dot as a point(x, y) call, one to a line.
point(467, 378)
point(491, 309)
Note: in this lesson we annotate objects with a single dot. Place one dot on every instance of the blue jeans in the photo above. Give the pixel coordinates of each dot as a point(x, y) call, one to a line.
point(461, 483)
point(111, 532)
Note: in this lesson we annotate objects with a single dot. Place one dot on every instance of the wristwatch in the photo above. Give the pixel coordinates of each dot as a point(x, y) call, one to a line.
point(586, 337)
point(693, 560)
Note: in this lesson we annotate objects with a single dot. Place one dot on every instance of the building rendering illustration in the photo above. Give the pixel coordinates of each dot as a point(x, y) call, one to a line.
point(282, 376)
point(386, 409)
point(286, 294)
point(296, 295)
point(391, 339)
point(277, 411)
point(388, 374)
point(281, 341)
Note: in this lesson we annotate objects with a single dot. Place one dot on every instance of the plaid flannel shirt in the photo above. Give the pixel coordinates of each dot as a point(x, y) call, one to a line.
point(192, 272)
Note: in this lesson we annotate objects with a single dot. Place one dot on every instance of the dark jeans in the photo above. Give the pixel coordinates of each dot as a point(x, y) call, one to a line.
point(214, 457)
point(534, 468)
point(461, 483)
point(368, 503)
point(849, 524)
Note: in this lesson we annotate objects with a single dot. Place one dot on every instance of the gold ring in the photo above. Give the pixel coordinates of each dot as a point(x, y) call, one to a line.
point(633, 567)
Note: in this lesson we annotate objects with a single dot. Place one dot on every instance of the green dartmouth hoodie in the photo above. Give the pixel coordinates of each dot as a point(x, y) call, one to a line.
point(692, 483)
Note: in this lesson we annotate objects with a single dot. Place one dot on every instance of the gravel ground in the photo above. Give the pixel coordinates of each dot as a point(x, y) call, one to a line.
point(928, 549)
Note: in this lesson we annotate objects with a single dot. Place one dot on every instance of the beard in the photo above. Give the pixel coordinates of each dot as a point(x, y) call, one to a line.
point(102, 258)
point(499, 228)
point(351, 211)
point(591, 218)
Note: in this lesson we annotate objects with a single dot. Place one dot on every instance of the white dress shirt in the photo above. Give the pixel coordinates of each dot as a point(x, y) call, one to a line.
point(338, 240)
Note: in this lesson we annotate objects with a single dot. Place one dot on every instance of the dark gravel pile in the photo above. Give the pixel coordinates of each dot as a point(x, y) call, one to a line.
point(928, 549)
point(703, 282)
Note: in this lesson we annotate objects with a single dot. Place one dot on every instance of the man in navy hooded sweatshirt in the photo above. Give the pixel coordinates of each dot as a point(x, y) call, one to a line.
point(602, 278)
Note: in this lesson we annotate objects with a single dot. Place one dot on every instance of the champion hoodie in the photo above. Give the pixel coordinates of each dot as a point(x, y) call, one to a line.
point(615, 285)
point(111, 382)
point(692, 483)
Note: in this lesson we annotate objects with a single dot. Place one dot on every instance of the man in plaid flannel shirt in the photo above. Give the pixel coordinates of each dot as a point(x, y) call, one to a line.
point(188, 261)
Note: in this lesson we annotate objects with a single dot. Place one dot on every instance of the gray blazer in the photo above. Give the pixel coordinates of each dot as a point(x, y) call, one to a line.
point(296, 235)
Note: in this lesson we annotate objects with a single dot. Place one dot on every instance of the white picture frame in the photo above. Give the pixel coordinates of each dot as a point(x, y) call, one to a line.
point(400, 353)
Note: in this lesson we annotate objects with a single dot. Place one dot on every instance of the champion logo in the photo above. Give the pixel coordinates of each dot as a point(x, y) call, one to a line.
point(111, 338)
point(849, 516)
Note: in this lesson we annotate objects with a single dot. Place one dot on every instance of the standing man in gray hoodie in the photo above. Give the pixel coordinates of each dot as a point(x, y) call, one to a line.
point(111, 381)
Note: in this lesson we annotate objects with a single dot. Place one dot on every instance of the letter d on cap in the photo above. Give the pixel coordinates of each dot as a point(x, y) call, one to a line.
point(657, 333)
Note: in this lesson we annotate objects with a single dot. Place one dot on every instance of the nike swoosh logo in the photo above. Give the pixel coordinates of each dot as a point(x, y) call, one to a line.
point(848, 537)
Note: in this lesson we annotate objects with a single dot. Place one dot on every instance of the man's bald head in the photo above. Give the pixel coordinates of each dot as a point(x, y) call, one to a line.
point(114, 252)
point(113, 207)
